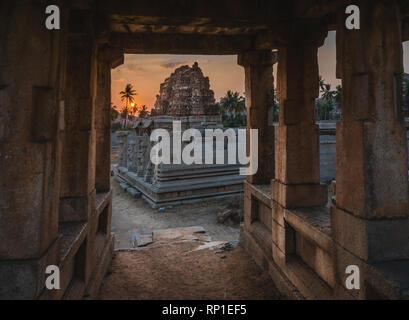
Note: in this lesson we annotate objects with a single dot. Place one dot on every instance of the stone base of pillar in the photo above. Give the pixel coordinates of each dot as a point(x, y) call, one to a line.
point(299, 195)
point(25, 279)
point(364, 238)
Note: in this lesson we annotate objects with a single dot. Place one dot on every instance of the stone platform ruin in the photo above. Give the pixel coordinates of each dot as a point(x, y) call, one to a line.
point(186, 97)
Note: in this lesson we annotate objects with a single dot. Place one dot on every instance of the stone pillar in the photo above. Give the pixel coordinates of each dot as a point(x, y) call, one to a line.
point(103, 123)
point(297, 173)
point(370, 220)
point(31, 73)
point(78, 171)
point(259, 84)
point(107, 59)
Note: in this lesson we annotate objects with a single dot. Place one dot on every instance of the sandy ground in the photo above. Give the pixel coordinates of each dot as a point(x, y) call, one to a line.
point(130, 215)
point(172, 271)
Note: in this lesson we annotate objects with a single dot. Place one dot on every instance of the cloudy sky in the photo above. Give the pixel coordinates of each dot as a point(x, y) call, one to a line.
point(147, 72)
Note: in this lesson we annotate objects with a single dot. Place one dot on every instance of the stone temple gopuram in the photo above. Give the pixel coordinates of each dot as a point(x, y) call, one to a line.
point(187, 93)
point(55, 138)
point(186, 97)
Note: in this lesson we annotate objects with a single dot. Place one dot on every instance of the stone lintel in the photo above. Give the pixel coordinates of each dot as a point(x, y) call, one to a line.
point(140, 43)
point(292, 196)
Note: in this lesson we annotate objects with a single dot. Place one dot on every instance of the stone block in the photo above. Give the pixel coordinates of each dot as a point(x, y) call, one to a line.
point(45, 115)
point(299, 196)
point(278, 213)
point(283, 237)
point(297, 154)
point(133, 192)
point(342, 259)
point(25, 279)
point(124, 186)
point(371, 240)
point(316, 258)
point(73, 209)
point(372, 183)
point(78, 171)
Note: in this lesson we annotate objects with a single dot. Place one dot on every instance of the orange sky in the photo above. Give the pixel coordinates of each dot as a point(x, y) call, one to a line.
point(147, 72)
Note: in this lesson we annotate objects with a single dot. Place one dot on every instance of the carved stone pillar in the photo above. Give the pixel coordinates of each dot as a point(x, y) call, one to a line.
point(259, 84)
point(297, 173)
point(78, 170)
point(107, 59)
point(31, 117)
point(370, 220)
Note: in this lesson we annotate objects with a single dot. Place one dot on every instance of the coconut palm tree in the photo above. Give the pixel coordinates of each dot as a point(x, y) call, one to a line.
point(128, 96)
point(144, 113)
point(321, 83)
point(233, 104)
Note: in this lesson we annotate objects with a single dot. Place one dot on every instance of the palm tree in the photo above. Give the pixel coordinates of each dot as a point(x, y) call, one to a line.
point(128, 95)
point(144, 113)
point(233, 103)
point(327, 101)
point(321, 83)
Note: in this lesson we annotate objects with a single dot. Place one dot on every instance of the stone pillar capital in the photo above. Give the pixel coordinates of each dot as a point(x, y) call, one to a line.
point(257, 58)
point(112, 55)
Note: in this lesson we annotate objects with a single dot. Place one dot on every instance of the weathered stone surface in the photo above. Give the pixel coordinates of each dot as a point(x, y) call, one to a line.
point(30, 109)
point(259, 85)
point(299, 195)
point(372, 182)
point(297, 154)
point(186, 92)
point(371, 240)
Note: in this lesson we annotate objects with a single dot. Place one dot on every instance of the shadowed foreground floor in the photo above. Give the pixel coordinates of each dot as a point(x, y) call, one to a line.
point(172, 271)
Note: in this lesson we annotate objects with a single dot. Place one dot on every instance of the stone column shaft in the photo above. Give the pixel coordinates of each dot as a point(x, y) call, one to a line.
point(78, 171)
point(370, 218)
point(297, 178)
point(259, 84)
point(103, 124)
point(31, 74)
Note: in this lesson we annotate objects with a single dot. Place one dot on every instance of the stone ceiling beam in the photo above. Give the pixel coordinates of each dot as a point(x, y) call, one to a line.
point(186, 44)
point(259, 11)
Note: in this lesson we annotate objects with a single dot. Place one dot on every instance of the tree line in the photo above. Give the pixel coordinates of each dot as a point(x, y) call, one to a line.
point(233, 105)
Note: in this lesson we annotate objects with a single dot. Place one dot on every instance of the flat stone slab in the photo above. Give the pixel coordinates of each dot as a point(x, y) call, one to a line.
point(188, 234)
point(140, 238)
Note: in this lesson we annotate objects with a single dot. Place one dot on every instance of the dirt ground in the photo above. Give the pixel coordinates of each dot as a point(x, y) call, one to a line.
point(172, 271)
point(130, 215)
